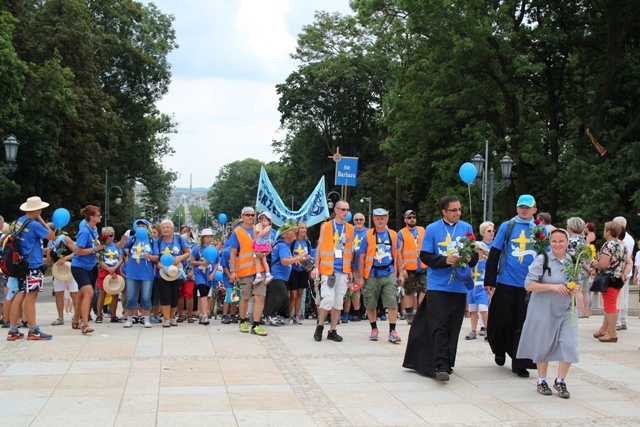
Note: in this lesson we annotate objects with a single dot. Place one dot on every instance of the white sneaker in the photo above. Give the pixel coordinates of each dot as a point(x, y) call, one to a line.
point(258, 279)
point(147, 323)
point(127, 324)
point(268, 278)
point(297, 320)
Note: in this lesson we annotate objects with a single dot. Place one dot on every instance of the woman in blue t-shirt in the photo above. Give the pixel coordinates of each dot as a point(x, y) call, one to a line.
point(82, 265)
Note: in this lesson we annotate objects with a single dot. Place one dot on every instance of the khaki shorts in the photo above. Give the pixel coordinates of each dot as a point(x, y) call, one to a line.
point(248, 288)
point(376, 286)
point(415, 283)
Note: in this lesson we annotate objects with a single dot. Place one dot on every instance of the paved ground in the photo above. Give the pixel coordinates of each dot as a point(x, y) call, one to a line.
point(214, 375)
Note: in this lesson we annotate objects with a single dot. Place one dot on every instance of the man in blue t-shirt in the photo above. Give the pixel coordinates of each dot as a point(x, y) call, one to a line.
point(506, 269)
point(433, 337)
point(28, 287)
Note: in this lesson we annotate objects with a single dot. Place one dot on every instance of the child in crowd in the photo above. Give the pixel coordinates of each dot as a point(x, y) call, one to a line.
point(262, 247)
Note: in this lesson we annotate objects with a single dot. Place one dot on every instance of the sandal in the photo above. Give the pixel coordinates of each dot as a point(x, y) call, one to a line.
point(99, 319)
point(192, 319)
point(182, 318)
point(86, 329)
point(116, 319)
point(57, 322)
point(75, 325)
point(166, 324)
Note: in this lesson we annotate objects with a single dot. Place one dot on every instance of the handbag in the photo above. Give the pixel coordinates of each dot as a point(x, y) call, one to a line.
point(601, 282)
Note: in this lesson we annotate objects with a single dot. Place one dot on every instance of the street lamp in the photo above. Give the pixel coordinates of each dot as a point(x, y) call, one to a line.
point(367, 199)
point(117, 200)
point(11, 150)
point(486, 177)
point(331, 203)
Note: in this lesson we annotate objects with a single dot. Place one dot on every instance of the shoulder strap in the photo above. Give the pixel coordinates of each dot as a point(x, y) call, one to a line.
point(545, 264)
point(505, 246)
point(22, 227)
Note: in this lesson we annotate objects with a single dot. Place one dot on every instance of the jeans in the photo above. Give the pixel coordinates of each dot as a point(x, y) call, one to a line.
point(142, 287)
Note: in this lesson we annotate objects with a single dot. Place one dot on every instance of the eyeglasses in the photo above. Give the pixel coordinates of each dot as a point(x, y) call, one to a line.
point(343, 209)
point(410, 217)
point(250, 215)
point(98, 215)
point(490, 231)
point(454, 210)
point(358, 219)
point(109, 235)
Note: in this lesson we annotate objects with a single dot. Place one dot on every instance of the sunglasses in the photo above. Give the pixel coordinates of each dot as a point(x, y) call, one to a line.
point(343, 209)
point(109, 235)
point(250, 215)
point(359, 219)
point(411, 217)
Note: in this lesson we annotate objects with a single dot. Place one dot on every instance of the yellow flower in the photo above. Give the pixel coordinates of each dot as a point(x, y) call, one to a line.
point(593, 251)
point(571, 285)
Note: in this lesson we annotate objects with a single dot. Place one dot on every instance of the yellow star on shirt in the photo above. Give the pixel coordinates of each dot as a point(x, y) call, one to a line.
point(476, 274)
point(299, 250)
point(356, 242)
point(138, 252)
point(166, 251)
point(110, 254)
point(336, 239)
point(446, 241)
point(522, 240)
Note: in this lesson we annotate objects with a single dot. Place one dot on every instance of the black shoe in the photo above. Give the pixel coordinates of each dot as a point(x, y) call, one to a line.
point(523, 373)
point(333, 336)
point(500, 360)
point(442, 375)
point(318, 334)
point(226, 319)
point(355, 318)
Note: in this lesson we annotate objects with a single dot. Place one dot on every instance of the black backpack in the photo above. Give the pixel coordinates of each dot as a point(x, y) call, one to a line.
point(12, 262)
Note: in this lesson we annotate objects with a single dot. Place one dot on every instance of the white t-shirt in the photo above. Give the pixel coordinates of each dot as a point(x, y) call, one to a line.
point(629, 243)
point(637, 264)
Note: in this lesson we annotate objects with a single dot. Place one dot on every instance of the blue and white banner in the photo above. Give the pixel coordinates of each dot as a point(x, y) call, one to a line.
point(313, 211)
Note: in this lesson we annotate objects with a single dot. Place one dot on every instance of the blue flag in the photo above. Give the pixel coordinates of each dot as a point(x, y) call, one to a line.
point(313, 211)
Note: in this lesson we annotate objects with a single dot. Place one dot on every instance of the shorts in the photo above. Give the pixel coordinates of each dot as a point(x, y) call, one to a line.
point(610, 300)
point(331, 297)
point(203, 290)
point(13, 287)
point(482, 308)
point(384, 286)
point(186, 291)
point(82, 276)
point(416, 282)
point(298, 280)
point(70, 285)
point(247, 288)
point(476, 296)
point(32, 283)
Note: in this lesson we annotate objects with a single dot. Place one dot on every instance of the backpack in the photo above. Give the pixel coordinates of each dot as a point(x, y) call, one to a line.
point(12, 262)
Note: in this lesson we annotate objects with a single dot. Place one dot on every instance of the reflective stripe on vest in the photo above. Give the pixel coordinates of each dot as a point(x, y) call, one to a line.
point(326, 250)
point(244, 260)
point(411, 251)
point(371, 250)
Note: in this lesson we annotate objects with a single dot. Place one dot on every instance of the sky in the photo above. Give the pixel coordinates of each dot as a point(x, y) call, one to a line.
point(232, 54)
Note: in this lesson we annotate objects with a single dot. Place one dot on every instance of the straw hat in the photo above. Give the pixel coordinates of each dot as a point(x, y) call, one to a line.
point(62, 272)
point(172, 273)
point(33, 204)
point(113, 285)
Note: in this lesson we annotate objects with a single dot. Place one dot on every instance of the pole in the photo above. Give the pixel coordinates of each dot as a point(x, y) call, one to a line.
point(491, 183)
point(106, 197)
point(484, 179)
point(291, 202)
point(369, 212)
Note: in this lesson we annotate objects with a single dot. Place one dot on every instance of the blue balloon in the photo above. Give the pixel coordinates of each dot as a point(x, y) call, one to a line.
point(166, 260)
point(217, 276)
point(142, 233)
point(349, 216)
point(210, 254)
point(468, 172)
point(61, 217)
point(222, 218)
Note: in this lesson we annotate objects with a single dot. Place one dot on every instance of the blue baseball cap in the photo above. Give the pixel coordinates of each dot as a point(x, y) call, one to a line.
point(526, 200)
point(380, 212)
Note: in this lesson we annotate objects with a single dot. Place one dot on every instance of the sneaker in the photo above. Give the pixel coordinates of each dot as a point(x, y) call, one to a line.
point(257, 330)
point(344, 318)
point(317, 335)
point(225, 320)
point(36, 334)
point(147, 323)
point(127, 324)
point(258, 279)
point(154, 319)
point(561, 388)
point(355, 318)
point(442, 375)
point(24, 324)
point(244, 326)
point(297, 320)
point(543, 388)
point(12, 336)
point(268, 279)
point(409, 318)
point(483, 331)
point(234, 318)
point(333, 336)
point(274, 321)
point(394, 337)
point(402, 316)
point(471, 336)
point(205, 320)
point(383, 317)
point(6, 325)
point(623, 327)
point(374, 335)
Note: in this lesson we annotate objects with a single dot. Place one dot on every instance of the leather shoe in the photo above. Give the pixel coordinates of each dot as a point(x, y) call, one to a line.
point(318, 334)
point(442, 375)
point(333, 336)
point(523, 373)
point(500, 360)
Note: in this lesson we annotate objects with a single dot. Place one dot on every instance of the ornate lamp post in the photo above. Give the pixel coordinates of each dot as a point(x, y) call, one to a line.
point(486, 177)
point(367, 199)
point(331, 203)
point(11, 150)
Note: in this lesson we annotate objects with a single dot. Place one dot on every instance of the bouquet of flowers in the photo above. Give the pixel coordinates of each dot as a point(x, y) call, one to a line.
point(465, 247)
point(540, 238)
point(101, 240)
point(573, 270)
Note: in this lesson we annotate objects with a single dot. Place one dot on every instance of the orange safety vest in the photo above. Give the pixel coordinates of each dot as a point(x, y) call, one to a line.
point(326, 253)
point(371, 250)
point(244, 259)
point(411, 251)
